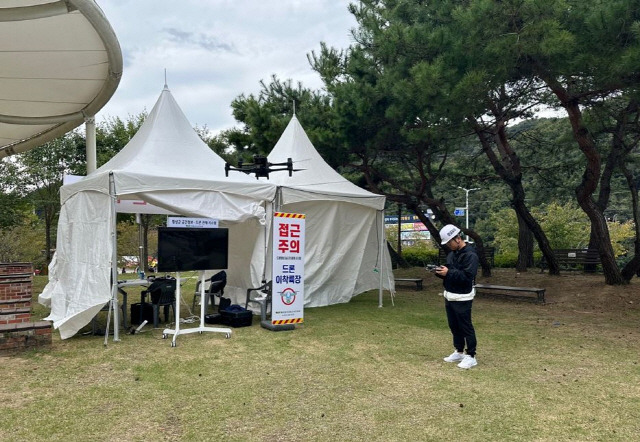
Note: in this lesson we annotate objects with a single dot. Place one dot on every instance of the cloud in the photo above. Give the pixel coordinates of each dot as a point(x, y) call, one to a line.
point(206, 42)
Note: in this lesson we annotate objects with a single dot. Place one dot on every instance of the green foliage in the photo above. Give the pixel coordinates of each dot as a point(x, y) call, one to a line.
point(420, 254)
point(12, 209)
point(391, 233)
point(553, 165)
point(505, 225)
point(566, 225)
point(506, 260)
point(128, 238)
point(36, 176)
point(24, 242)
point(622, 235)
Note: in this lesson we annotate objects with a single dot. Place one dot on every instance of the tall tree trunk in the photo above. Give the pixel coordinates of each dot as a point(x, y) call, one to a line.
point(525, 246)
point(588, 185)
point(633, 266)
point(484, 263)
point(614, 160)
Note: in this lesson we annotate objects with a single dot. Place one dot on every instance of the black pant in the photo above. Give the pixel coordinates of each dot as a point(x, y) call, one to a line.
point(459, 317)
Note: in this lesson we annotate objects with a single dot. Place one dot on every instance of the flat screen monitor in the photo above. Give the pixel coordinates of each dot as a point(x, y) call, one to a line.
point(182, 249)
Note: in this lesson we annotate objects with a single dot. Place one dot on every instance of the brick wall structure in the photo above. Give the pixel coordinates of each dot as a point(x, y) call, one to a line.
point(17, 331)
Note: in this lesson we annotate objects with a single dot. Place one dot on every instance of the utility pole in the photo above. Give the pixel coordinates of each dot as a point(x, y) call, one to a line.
point(466, 207)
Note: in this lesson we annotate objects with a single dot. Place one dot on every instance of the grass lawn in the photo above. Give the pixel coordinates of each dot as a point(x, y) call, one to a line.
point(351, 372)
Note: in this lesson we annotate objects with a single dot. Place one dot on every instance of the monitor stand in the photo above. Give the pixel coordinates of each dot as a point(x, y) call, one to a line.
point(203, 305)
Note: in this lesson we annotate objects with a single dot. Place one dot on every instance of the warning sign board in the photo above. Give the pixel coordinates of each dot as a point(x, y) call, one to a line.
point(288, 268)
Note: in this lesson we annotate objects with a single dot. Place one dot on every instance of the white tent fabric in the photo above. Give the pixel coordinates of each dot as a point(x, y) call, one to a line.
point(165, 164)
point(345, 249)
point(60, 62)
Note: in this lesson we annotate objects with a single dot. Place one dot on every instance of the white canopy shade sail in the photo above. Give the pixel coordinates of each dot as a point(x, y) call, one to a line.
point(60, 63)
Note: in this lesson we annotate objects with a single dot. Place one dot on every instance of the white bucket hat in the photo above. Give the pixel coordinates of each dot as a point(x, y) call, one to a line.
point(448, 232)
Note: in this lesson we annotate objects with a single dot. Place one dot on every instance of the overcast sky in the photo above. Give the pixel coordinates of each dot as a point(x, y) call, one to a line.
point(215, 50)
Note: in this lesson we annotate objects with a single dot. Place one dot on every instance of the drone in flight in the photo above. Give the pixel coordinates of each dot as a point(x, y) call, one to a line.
point(260, 167)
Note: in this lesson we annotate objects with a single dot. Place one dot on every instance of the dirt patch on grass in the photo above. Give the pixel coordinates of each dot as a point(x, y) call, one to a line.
point(569, 293)
point(573, 290)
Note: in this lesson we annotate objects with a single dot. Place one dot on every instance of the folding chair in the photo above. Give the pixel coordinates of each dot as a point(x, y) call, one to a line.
point(217, 283)
point(163, 294)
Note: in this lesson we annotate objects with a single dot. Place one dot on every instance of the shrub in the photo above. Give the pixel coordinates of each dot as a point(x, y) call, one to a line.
point(508, 259)
point(420, 254)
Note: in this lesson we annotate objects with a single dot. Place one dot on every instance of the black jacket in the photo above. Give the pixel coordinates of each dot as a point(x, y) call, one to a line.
point(463, 266)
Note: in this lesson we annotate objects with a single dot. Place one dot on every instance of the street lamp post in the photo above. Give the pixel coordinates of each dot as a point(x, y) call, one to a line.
point(466, 207)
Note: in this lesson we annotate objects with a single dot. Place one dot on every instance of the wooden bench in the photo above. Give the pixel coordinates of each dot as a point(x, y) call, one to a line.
point(416, 281)
point(489, 253)
point(573, 259)
point(488, 288)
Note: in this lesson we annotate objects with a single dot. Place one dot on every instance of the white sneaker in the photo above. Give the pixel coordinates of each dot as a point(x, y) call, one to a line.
point(454, 357)
point(468, 362)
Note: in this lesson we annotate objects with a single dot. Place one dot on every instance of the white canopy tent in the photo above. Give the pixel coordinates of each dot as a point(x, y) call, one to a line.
point(60, 62)
point(345, 251)
point(167, 165)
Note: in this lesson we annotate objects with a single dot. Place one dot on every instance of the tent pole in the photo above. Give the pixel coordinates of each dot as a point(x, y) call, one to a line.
point(90, 134)
point(267, 226)
point(382, 269)
point(276, 206)
point(114, 260)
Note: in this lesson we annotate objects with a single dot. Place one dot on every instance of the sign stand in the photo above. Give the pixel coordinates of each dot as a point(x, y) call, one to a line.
point(287, 269)
point(203, 305)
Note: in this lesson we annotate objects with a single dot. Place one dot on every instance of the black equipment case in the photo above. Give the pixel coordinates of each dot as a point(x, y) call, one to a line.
point(236, 316)
point(147, 314)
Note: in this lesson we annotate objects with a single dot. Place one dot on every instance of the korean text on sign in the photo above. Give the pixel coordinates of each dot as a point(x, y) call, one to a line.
point(289, 238)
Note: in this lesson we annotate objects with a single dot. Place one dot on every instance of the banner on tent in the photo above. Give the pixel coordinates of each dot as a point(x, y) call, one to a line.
point(288, 268)
point(192, 223)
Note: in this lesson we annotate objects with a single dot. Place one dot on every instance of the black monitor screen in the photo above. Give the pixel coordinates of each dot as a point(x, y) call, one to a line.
point(181, 249)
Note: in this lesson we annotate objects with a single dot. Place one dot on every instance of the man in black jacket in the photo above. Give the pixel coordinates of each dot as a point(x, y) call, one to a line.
point(458, 278)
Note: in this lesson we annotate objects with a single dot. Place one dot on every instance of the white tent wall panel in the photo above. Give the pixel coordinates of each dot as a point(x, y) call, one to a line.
point(376, 261)
point(339, 255)
point(80, 277)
